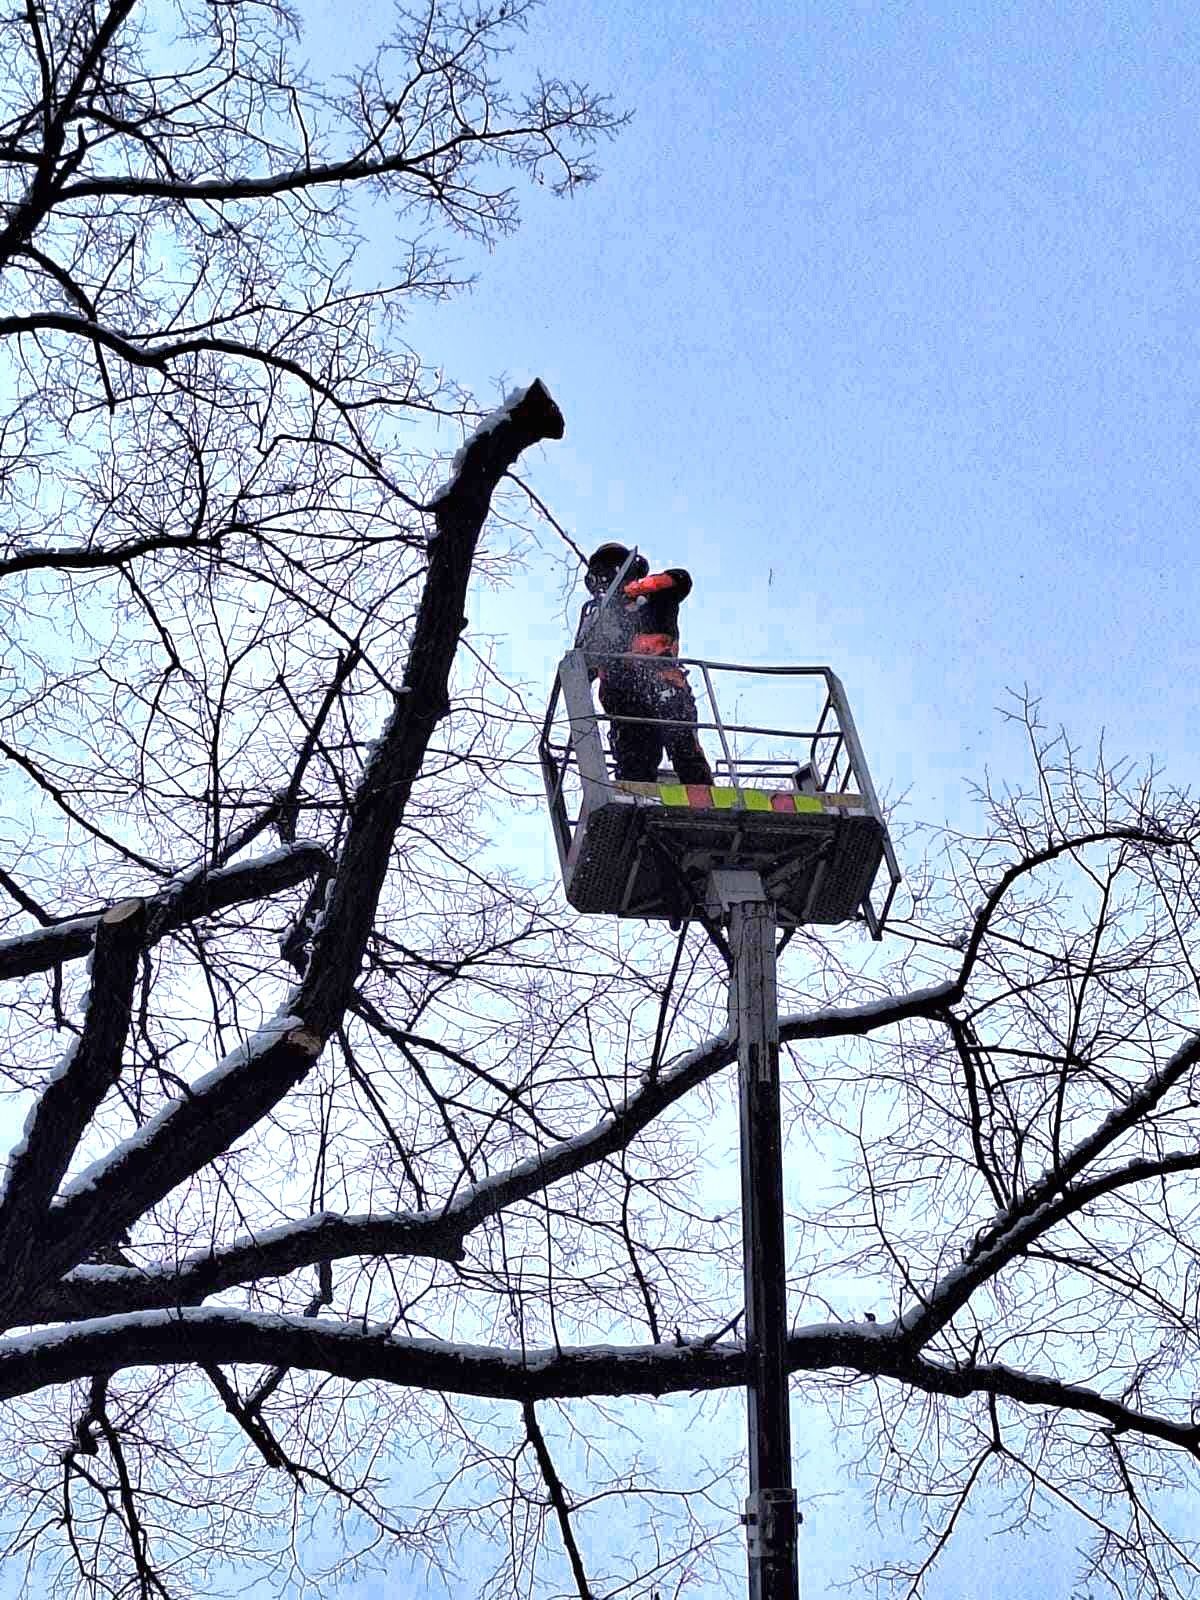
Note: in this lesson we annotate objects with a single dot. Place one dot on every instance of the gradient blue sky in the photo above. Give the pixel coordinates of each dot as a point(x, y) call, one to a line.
point(882, 320)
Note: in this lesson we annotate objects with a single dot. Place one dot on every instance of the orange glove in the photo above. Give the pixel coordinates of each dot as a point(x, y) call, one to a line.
point(656, 581)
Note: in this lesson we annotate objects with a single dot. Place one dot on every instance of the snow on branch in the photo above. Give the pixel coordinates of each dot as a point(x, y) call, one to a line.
point(180, 902)
point(348, 1350)
point(462, 456)
point(190, 1334)
point(94, 1291)
point(88, 558)
point(440, 1231)
point(838, 1021)
point(177, 1141)
point(617, 1129)
point(382, 798)
point(1054, 1197)
point(69, 1098)
point(224, 1105)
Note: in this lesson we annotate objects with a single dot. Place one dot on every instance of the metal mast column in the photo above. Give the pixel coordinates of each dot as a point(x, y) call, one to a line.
point(770, 1515)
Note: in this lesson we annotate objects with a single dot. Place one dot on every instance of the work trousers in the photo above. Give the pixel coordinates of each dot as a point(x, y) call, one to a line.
point(657, 691)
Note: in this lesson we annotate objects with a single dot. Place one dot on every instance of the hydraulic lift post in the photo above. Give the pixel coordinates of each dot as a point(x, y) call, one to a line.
point(738, 898)
point(792, 836)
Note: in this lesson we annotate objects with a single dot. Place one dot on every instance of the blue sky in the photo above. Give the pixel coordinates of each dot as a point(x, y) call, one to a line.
point(882, 320)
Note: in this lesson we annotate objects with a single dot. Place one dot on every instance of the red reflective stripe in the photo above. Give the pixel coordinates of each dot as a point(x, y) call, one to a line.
point(783, 802)
point(657, 580)
point(654, 644)
point(699, 794)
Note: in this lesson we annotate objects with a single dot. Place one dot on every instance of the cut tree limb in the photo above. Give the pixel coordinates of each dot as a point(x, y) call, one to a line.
point(173, 907)
point(460, 512)
point(70, 1098)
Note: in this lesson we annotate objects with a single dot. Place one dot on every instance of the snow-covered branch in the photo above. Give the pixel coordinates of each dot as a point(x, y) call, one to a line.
point(183, 901)
point(839, 1022)
point(69, 1100)
point(96, 1291)
point(184, 1136)
point(379, 806)
point(224, 1105)
point(1031, 1388)
point(188, 1334)
point(441, 1230)
point(1056, 1196)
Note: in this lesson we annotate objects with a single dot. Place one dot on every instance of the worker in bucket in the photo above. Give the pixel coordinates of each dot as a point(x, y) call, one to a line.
point(639, 617)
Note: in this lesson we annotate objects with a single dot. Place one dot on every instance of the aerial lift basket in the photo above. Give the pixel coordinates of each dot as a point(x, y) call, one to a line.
point(796, 805)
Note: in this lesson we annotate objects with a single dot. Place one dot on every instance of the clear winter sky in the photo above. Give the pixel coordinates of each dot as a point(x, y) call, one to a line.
point(883, 321)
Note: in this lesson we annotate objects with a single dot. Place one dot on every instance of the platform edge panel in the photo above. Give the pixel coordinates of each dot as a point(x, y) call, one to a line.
point(851, 872)
point(607, 854)
point(758, 841)
point(600, 858)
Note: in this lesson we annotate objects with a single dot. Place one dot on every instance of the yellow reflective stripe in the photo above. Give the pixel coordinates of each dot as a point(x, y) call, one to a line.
point(731, 799)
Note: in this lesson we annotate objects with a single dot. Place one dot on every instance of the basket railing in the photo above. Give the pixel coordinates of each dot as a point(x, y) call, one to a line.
point(576, 766)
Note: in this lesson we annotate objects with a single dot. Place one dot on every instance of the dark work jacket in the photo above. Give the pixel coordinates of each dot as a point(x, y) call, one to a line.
point(653, 617)
point(642, 624)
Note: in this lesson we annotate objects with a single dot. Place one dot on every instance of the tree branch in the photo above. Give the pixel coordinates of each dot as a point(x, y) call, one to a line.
point(558, 1498)
point(69, 1098)
point(198, 894)
point(89, 560)
point(158, 357)
point(1033, 1389)
point(1038, 1208)
point(227, 1103)
point(98, 1291)
point(422, 701)
point(353, 169)
point(348, 1350)
point(438, 1232)
point(180, 1139)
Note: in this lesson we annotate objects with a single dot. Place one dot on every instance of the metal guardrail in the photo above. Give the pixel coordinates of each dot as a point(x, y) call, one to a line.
point(831, 745)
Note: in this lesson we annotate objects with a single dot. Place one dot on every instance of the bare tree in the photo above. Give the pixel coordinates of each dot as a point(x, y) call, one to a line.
point(349, 1154)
